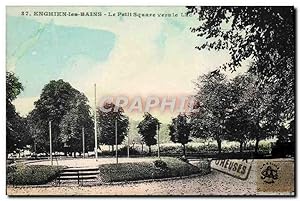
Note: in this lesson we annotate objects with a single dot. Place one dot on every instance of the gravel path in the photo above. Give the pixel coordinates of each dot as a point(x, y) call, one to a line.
point(90, 161)
point(215, 183)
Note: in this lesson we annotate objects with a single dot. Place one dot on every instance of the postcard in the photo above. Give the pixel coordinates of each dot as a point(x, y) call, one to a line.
point(150, 101)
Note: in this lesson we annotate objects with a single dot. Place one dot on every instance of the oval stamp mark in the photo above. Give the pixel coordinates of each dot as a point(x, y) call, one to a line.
point(269, 172)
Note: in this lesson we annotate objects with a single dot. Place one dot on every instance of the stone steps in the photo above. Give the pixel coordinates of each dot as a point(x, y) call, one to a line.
point(78, 175)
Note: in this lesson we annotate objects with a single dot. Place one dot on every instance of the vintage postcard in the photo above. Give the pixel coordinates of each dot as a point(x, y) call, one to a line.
point(150, 101)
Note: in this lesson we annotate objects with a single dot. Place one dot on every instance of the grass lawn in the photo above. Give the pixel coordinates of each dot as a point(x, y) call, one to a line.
point(164, 168)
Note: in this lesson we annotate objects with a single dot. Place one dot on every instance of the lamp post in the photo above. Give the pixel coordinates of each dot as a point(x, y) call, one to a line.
point(83, 146)
point(158, 150)
point(50, 138)
point(95, 125)
point(128, 146)
point(116, 137)
point(133, 142)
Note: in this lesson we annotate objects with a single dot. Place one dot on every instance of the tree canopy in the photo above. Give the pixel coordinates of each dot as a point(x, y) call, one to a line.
point(213, 101)
point(147, 128)
point(56, 100)
point(106, 122)
point(77, 120)
point(265, 35)
point(16, 126)
point(179, 130)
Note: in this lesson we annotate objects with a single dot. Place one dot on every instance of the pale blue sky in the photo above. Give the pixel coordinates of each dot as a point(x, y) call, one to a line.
point(52, 53)
point(122, 55)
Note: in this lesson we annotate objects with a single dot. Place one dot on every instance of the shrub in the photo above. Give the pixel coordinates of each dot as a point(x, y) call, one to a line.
point(132, 151)
point(160, 164)
point(171, 149)
point(264, 147)
point(168, 167)
point(31, 174)
point(204, 165)
point(9, 161)
point(121, 152)
point(183, 158)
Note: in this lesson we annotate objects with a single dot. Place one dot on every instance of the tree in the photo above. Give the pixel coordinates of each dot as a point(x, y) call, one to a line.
point(13, 87)
point(179, 130)
point(238, 126)
point(147, 128)
point(253, 113)
point(238, 30)
point(16, 132)
point(56, 100)
point(18, 135)
point(212, 102)
point(269, 42)
point(72, 123)
point(106, 122)
point(239, 123)
point(291, 131)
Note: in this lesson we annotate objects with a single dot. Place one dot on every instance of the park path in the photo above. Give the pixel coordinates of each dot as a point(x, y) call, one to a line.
point(90, 162)
point(215, 183)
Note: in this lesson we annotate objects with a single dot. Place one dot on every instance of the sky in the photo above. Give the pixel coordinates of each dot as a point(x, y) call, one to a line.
point(123, 55)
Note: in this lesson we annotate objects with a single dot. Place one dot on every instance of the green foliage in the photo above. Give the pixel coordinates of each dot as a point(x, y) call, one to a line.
point(237, 29)
point(146, 170)
point(16, 127)
point(134, 135)
point(160, 164)
point(13, 87)
point(73, 123)
point(184, 159)
point(132, 151)
point(269, 42)
point(212, 104)
point(31, 174)
point(58, 98)
point(17, 133)
point(180, 129)
point(107, 120)
point(236, 110)
point(253, 115)
point(242, 122)
point(148, 129)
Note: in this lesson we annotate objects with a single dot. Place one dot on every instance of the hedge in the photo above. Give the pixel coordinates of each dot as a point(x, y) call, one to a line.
point(31, 174)
point(164, 168)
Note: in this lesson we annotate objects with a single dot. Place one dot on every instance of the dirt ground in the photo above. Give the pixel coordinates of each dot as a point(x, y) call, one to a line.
point(215, 183)
point(90, 162)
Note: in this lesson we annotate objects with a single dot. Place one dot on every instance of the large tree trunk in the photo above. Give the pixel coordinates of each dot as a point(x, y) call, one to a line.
point(241, 147)
point(219, 146)
point(149, 150)
point(256, 145)
point(183, 149)
point(245, 146)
